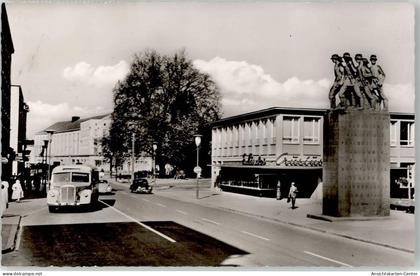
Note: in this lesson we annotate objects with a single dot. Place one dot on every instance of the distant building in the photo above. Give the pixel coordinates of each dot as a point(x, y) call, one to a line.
point(78, 141)
point(18, 118)
point(72, 142)
point(254, 152)
point(7, 50)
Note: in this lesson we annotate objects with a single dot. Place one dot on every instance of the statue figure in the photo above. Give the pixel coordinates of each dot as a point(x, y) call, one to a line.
point(351, 81)
point(378, 80)
point(338, 81)
point(364, 77)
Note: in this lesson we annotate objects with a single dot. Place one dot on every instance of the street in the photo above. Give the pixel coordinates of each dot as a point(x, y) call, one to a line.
point(127, 229)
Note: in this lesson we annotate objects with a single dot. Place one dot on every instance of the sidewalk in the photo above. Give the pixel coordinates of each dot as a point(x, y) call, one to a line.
point(396, 231)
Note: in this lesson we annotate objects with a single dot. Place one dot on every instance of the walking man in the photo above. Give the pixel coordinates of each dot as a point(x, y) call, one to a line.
point(292, 194)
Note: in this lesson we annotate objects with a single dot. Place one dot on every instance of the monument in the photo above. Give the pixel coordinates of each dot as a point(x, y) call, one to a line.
point(356, 168)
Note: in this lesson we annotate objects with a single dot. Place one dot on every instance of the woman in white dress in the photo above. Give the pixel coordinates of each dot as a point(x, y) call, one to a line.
point(17, 192)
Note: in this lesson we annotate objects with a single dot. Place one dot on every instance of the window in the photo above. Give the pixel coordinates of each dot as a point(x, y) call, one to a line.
point(407, 133)
point(291, 129)
point(311, 130)
point(393, 131)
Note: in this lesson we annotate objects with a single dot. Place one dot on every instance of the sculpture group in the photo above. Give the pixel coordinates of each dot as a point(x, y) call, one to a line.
point(357, 85)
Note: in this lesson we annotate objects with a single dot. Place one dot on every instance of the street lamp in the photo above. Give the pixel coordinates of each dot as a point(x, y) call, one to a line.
point(197, 169)
point(154, 162)
point(50, 134)
point(133, 141)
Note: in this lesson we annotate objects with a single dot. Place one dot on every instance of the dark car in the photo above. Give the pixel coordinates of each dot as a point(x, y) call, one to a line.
point(140, 185)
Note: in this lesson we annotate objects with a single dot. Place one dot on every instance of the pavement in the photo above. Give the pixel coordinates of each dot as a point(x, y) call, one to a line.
point(396, 231)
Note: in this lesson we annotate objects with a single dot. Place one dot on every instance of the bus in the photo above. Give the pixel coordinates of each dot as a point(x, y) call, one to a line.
point(72, 185)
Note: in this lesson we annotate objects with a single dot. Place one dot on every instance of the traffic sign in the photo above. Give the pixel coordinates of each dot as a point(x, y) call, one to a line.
point(197, 170)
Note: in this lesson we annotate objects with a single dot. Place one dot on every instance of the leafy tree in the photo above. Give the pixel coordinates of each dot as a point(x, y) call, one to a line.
point(164, 99)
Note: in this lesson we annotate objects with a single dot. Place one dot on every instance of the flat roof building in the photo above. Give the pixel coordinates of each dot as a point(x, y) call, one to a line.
point(256, 152)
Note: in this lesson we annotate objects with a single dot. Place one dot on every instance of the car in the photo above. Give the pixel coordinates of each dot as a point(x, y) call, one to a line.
point(140, 185)
point(104, 187)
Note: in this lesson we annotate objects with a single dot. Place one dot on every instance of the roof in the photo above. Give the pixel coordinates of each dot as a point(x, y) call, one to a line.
point(66, 126)
point(67, 168)
point(268, 112)
point(272, 111)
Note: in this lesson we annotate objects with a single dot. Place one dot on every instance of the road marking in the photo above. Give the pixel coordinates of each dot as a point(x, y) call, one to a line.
point(254, 235)
point(139, 223)
point(182, 212)
point(161, 205)
point(328, 259)
point(211, 221)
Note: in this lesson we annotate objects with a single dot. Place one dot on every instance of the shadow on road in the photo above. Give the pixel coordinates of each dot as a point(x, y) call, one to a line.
point(119, 244)
point(86, 209)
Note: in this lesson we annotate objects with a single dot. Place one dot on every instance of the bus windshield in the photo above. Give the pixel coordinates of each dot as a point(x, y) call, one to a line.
point(74, 176)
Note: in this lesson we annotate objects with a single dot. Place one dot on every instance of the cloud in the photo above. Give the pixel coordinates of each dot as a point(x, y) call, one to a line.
point(246, 87)
point(84, 73)
point(42, 115)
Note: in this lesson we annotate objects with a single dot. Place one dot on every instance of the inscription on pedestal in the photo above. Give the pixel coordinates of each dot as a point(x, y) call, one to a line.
point(356, 163)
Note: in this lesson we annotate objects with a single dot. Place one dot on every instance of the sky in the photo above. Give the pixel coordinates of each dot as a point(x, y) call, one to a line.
point(69, 55)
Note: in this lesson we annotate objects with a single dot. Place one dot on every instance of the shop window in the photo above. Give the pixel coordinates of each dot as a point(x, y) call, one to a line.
point(291, 129)
point(311, 131)
point(407, 133)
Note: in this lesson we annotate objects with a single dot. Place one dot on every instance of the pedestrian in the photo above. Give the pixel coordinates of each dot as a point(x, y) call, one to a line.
point(292, 194)
point(17, 193)
point(37, 183)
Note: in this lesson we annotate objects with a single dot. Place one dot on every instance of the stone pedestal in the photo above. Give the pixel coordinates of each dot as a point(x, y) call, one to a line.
point(356, 163)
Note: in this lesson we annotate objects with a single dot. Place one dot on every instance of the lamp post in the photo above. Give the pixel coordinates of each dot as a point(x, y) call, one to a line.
point(154, 163)
point(133, 140)
point(197, 169)
point(49, 145)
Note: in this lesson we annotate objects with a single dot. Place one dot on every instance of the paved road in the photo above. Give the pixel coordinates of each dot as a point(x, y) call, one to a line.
point(183, 231)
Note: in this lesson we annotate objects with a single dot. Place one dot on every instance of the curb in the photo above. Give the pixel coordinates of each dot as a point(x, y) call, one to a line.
point(11, 242)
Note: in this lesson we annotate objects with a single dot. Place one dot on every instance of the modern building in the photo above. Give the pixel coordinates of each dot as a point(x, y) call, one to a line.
point(257, 152)
point(7, 49)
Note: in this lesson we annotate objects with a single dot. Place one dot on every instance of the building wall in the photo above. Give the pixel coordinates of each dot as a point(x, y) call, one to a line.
point(6, 60)
point(274, 138)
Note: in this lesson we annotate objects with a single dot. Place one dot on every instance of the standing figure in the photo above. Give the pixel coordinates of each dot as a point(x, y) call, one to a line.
point(292, 194)
point(364, 77)
point(17, 192)
point(378, 79)
point(350, 81)
point(338, 81)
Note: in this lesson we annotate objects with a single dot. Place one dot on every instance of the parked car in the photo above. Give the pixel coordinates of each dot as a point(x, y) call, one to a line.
point(104, 187)
point(140, 184)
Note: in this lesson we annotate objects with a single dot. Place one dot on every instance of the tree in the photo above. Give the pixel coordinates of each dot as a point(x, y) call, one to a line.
point(164, 99)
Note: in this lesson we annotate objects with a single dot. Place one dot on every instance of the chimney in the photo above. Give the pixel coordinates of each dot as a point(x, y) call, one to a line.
point(74, 118)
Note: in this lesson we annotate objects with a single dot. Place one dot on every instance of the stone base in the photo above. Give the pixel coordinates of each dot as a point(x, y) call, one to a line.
point(356, 168)
point(353, 218)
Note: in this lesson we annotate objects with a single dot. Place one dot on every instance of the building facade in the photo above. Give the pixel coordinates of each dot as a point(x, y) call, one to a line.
point(7, 50)
point(79, 141)
point(260, 151)
point(72, 142)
